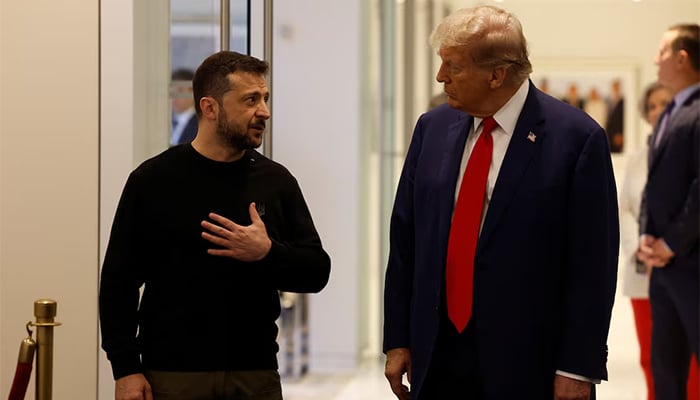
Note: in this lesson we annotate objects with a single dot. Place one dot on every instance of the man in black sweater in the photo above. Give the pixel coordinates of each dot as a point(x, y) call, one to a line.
point(212, 263)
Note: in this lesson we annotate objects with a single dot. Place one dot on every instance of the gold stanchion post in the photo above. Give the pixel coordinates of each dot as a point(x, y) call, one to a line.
point(44, 311)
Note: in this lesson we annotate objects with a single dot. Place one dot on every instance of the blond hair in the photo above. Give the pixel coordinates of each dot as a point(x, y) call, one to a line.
point(494, 36)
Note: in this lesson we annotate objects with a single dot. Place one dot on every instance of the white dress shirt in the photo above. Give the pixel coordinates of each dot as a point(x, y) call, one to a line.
point(506, 118)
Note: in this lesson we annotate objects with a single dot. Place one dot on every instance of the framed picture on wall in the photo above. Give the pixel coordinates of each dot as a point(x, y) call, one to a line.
point(607, 91)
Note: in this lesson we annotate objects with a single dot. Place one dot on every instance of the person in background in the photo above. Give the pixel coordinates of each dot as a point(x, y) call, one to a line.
point(615, 123)
point(573, 97)
point(184, 118)
point(636, 276)
point(211, 265)
point(596, 107)
point(504, 232)
point(669, 216)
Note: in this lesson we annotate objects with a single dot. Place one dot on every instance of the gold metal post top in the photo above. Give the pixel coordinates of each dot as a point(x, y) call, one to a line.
point(45, 309)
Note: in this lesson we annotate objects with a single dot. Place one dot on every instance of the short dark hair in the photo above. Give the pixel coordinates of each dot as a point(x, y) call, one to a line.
point(688, 39)
point(211, 77)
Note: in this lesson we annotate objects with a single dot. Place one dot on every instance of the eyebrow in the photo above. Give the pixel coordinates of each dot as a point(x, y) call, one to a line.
point(255, 93)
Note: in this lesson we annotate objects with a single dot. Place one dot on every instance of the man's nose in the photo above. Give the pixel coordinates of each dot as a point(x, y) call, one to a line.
point(263, 110)
point(441, 76)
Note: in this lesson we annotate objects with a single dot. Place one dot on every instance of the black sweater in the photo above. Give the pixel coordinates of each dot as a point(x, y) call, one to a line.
point(200, 312)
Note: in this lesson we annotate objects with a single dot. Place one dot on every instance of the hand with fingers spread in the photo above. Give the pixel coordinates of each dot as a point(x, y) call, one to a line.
point(244, 243)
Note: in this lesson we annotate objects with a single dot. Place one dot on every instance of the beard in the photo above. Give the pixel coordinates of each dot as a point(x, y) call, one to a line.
point(235, 135)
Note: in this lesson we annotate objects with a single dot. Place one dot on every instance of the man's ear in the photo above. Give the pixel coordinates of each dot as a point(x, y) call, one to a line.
point(209, 107)
point(498, 76)
point(682, 57)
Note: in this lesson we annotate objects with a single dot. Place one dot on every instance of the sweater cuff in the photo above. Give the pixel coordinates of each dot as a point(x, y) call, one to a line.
point(277, 251)
point(125, 364)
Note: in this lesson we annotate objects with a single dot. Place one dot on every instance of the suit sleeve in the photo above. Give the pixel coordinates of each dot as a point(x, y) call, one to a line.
point(400, 267)
point(590, 275)
point(682, 233)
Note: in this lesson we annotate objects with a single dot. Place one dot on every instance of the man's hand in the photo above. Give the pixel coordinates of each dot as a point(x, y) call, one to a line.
point(244, 243)
point(398, 362)
point(571, 389)
point(662, 253)
point(654, 252)
point(132, 387)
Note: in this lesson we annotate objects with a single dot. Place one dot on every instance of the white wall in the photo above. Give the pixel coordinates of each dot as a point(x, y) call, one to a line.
point(316, 119)
point(49, 185)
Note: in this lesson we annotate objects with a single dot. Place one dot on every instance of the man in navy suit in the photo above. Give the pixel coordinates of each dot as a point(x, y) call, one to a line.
point(185, 122)
point(669, 215)
point(545, 263)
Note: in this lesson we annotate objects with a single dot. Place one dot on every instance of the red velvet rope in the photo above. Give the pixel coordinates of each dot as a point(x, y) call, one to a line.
point(21, 381)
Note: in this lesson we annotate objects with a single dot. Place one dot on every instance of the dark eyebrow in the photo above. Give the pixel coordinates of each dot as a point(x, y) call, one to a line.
point(256, 94)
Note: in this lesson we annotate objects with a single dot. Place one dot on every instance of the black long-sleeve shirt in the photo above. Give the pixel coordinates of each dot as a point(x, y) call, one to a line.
point(200, 312)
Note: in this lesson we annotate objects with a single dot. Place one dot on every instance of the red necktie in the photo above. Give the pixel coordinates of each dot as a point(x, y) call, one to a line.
point(464, 231)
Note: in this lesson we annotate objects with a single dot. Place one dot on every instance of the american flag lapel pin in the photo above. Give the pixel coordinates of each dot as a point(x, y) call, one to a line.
point(531, 137)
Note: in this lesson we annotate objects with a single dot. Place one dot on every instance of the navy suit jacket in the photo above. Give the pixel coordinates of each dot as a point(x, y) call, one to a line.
point(546, 259)
point(670, 205)
point(190, 130)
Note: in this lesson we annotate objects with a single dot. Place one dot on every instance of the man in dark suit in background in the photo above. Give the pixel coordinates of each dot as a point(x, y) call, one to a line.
point(615, 124)
point(530, 320)
point(669, 215)
point(184, 117)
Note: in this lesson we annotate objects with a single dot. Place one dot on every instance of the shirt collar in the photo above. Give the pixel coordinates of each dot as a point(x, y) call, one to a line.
point(684, 94)
point(507, 116)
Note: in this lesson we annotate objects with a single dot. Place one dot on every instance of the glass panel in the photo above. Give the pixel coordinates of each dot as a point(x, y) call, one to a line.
point(195, 33)
point(195, 30)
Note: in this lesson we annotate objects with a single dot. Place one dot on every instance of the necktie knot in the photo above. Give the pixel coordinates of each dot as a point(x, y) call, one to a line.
point(488, 125)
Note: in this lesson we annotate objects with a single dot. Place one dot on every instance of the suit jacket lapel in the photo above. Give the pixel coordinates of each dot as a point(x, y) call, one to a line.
point(656, 151)
point(454, 149)
point(517, 157)
point(449, 169)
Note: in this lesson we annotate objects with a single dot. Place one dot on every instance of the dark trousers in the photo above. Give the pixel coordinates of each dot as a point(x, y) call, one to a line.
point(453, 371)
point(216, 385)
point(674, 337)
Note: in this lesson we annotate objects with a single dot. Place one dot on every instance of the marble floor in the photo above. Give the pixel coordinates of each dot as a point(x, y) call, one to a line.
point(626, 381)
